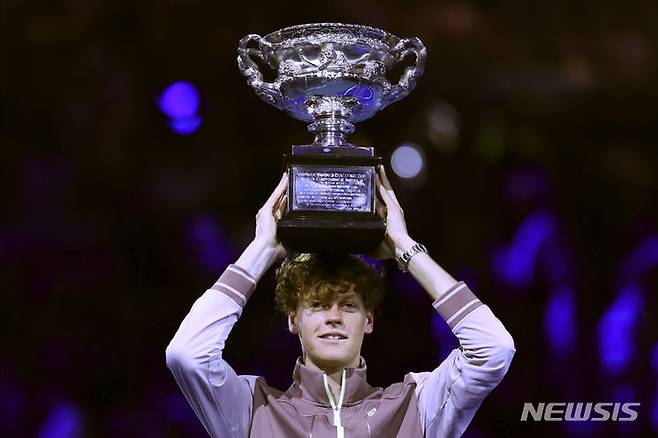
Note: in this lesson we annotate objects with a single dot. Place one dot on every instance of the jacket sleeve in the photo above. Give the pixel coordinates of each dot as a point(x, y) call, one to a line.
point(221, 399)
point(449, 396)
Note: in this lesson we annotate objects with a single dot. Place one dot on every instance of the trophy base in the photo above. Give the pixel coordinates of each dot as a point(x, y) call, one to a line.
point(317, 232)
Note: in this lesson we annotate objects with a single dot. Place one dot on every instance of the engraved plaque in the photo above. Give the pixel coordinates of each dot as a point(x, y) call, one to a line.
point(324, 188)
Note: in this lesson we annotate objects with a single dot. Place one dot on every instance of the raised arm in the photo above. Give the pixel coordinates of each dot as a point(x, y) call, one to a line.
point(221, 399)
point(449, 396)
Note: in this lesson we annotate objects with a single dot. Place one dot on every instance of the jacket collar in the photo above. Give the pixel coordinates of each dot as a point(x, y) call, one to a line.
point(308, 384)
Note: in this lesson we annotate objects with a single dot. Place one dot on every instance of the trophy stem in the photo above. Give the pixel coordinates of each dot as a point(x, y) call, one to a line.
point(331, 130)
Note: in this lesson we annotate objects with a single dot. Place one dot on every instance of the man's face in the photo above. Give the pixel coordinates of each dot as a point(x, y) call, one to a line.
point(332, 334)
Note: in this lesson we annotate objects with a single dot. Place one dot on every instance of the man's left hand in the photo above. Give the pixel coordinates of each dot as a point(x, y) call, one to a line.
point(397, 239)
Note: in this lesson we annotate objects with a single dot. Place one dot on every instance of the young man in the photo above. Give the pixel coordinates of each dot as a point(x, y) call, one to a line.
point(330, 303)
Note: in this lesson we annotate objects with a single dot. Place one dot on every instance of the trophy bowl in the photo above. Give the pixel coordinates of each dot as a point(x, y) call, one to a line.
point(330, 68)
point(331, 75)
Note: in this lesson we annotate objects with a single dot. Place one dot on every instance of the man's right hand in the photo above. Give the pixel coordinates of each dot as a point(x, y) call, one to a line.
point(265, 249)
point(269, 215)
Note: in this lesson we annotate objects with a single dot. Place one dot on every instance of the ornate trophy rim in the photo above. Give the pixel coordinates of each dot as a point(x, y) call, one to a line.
point(325, 25)
point(289, 36)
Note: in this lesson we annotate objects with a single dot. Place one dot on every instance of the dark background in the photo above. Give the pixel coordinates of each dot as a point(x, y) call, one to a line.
point(537, 121)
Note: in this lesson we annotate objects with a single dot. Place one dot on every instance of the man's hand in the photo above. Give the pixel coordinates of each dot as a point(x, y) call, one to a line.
point(269, 215)
point(397, 239)
point(263, 251)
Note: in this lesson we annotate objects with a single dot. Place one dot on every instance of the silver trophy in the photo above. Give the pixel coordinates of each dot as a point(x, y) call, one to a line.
point(331, 75)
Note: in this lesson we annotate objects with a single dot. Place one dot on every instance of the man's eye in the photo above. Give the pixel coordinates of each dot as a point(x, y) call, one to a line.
point(349, 305)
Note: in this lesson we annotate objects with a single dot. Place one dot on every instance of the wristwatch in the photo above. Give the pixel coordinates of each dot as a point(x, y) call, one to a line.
point(403, 260)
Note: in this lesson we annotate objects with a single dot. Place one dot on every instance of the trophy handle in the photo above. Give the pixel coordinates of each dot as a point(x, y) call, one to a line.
point(268, 91)
point(411, 74)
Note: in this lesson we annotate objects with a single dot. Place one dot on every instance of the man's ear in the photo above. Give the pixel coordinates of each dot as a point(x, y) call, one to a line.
point(370, 321)
point(292, 324)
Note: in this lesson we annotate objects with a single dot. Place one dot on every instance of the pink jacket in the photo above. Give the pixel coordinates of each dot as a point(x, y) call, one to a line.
point(440, 403)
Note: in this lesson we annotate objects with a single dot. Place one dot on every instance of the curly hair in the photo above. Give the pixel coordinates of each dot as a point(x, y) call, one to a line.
point(305, 278)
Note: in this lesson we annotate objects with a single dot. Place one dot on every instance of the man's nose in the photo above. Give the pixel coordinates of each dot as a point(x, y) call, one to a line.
point(333, 314)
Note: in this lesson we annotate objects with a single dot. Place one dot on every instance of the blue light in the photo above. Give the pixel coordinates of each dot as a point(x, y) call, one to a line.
point(515, 265)
point(179, 100)
point(559, 320)
point(64, 421)
point(615, 330)
point(185, 126)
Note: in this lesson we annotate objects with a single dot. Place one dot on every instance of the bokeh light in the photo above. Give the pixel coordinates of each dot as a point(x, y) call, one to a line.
point(64, 421)
point(443, 126)
point(408, 161)
point(616, 329)
point(560, 320)
point(515, 264)
point(179, 100)
point(185, 126)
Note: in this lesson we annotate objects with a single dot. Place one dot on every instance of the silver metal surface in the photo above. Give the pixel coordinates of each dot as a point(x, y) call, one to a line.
point(330, 74)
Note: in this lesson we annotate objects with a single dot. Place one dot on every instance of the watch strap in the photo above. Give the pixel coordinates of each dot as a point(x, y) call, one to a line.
point(403, 260)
